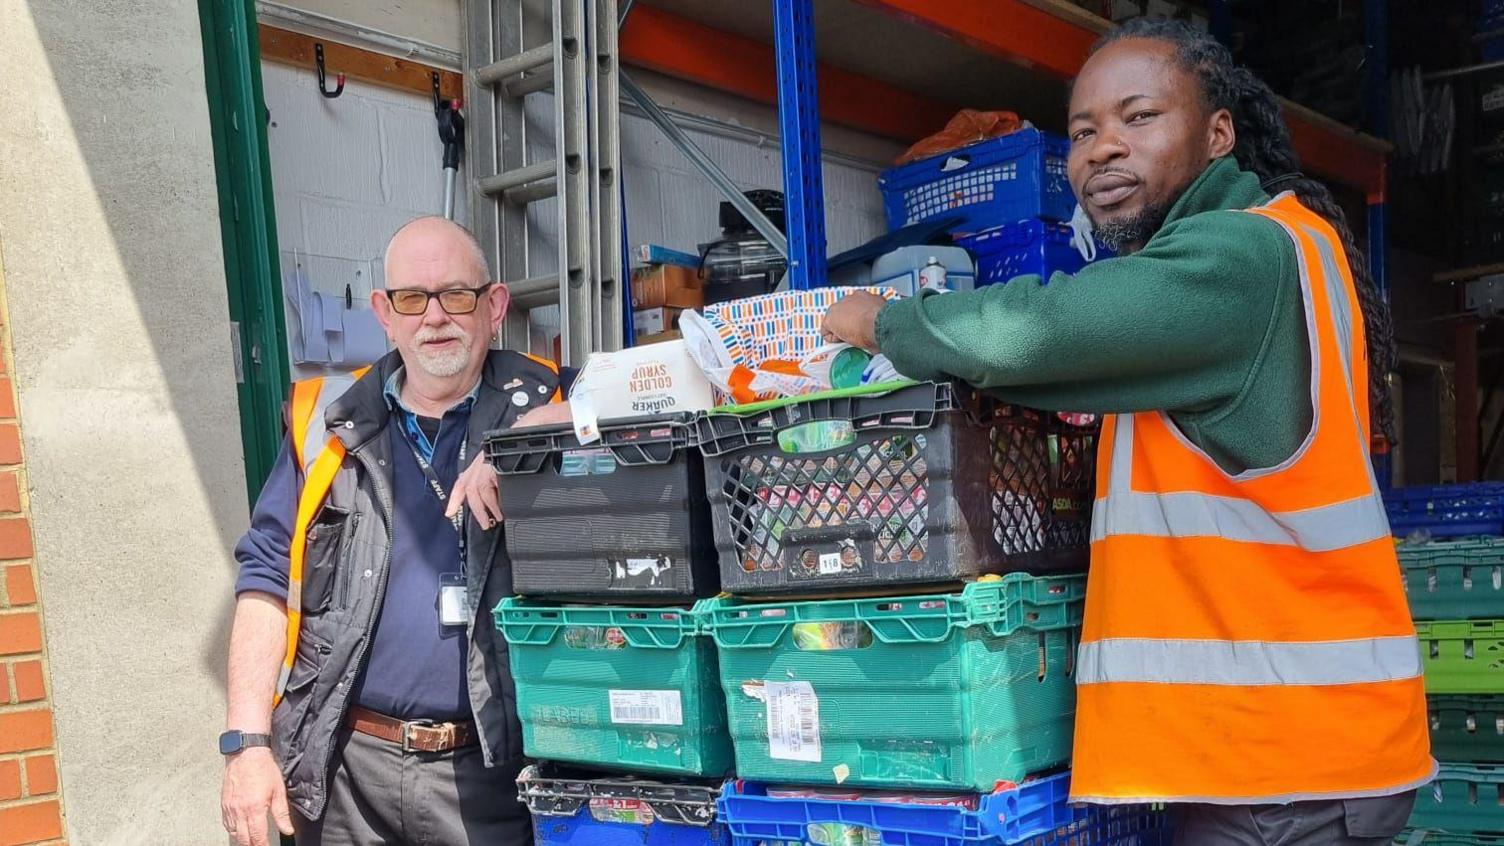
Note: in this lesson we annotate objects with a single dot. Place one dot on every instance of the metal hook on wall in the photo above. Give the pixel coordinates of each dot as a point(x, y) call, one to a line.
point(339, 79)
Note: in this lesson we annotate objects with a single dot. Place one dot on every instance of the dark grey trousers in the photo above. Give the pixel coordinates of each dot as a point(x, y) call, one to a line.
point(381, 796)
point(1329, 822)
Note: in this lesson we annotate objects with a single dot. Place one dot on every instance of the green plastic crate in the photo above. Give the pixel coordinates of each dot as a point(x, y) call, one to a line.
point(1464, 798)
point(1456, 580)
point(946, 691)
point(1467, 728)
point(1462, 656)
point(1445, 838)
point(610, 686)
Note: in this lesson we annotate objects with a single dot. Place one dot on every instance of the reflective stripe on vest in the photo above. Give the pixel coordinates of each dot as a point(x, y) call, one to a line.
point(319, 455)
point(1247, 638)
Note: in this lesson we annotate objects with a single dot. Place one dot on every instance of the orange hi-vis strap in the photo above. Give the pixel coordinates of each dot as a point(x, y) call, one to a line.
point(1247, 638)
point(551, 365)
point(319, 456)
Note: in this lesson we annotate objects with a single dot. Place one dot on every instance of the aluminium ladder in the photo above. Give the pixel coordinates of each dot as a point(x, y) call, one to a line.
point(577, 63)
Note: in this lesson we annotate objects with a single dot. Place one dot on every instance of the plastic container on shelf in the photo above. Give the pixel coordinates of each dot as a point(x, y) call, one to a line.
point(1467, 728)
point(617, 687)
point(937, 692)
point(1462, 656)
point(882, 485)
point(1455, 580)
point(1447, 510)
point(1017, 249)
point(588, 809)
point(1464, 798)
point(1001, 180)
point(1033, 813)
point(621, 519)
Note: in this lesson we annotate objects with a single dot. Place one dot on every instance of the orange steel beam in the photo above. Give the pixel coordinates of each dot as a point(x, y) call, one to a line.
point(682, 48)
point(1026, 32)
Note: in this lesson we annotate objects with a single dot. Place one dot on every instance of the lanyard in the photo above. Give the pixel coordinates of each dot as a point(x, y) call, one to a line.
point(458, 520)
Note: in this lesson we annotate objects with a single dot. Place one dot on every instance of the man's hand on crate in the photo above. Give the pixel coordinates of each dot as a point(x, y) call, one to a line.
point(476, 487)
point(854, 320)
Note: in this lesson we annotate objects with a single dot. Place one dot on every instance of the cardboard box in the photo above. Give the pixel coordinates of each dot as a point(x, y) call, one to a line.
point(655, 321)
point(671, 335)
point(653, 379)
point(661, 285)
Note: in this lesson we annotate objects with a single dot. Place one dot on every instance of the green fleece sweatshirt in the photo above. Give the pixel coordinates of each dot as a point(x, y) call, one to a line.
point(1205, 322)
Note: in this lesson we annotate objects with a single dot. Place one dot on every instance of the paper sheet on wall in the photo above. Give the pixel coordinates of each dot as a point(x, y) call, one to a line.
point(793, 721)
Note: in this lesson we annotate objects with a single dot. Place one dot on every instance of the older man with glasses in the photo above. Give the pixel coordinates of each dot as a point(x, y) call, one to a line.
point(370, 701)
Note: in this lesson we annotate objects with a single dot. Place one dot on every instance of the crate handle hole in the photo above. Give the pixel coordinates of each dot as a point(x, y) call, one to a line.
point(1043, 659)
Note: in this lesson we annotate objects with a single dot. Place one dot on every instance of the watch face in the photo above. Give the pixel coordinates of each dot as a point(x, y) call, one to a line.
point(229, 743)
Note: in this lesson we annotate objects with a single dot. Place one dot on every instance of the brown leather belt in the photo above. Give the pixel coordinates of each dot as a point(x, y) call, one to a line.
point(413, 735)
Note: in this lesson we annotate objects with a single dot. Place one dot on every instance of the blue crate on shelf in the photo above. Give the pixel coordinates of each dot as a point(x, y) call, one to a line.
point(1001, 180)
point(1031, 814)
point(1447, 511)
point(1016, 249)
point(574, 809)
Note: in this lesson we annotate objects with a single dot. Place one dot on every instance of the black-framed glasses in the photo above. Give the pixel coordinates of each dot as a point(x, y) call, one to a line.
point(414, 301)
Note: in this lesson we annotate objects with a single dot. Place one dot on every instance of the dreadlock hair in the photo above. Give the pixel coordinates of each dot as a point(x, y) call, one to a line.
point(1263, 148)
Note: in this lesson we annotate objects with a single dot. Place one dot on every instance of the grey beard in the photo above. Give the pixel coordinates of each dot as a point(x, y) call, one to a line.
point(1129, 234)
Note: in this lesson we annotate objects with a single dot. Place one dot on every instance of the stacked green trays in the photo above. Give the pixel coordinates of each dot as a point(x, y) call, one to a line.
point(1443, 838)
point(1456, 580)
point(1462, 656)
point(943, 692)
point(617, 687)
point(1467, 729)
point(1464, 798)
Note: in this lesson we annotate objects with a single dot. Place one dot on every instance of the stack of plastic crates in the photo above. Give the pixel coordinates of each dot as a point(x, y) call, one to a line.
point(616, 681)
point(906, 563)
point(1010, 196)
point(1456, 592)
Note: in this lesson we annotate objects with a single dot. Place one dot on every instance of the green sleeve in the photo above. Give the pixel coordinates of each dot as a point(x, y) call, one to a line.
point(1178, 326)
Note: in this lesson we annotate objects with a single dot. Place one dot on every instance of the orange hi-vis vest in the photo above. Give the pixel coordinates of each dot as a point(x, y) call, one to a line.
point(319, 456)
point(1246, 637)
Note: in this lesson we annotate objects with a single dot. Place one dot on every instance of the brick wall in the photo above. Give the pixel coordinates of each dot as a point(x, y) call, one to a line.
point(30, 800)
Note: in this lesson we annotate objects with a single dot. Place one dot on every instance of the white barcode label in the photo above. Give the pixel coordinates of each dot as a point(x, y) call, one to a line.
point(793, 721)
point(647, 707)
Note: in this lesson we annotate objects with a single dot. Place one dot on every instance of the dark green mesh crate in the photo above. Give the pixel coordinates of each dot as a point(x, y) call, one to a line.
point(1455, 580)
point(1467, 728)
point(616, 687)
point(944, 691)
point(1464, 798)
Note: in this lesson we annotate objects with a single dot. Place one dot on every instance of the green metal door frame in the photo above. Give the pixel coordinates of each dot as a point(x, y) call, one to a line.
point(247, 220)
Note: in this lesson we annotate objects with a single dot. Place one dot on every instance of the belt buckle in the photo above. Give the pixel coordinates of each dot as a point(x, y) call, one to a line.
point(407, 733)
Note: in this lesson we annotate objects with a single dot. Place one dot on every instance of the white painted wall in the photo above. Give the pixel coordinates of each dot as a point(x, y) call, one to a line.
point(110, 239)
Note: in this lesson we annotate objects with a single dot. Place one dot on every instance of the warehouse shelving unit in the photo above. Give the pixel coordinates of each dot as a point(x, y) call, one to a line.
point(899, 68)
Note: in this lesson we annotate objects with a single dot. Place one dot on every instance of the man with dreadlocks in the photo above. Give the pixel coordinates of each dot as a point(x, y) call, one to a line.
point(1247, 652)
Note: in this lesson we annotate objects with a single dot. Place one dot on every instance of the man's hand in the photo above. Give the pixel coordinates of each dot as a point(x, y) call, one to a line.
point(545, 415)
point(854, 320)
point(253, 786)
point(476, 488)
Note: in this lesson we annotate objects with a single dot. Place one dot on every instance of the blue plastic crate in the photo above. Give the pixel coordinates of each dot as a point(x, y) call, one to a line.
point(573, 810)
point(1001, 180)
point(1034, 813)
point(1447, 511)
point(1028, 246)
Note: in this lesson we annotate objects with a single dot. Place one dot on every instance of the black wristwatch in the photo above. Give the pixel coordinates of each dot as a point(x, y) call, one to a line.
point(233, 741)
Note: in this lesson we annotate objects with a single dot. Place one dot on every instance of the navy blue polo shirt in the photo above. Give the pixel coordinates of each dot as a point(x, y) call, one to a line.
point(416, 667)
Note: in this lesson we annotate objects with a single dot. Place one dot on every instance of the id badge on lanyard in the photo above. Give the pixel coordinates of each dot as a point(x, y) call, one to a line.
point(453, 600)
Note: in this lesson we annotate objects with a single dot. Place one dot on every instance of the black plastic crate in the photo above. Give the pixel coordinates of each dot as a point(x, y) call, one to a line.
point(623, 517)
point(923, 483)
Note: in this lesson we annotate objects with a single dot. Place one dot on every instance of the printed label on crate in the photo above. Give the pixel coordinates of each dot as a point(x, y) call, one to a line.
point(830, 563)
point(647, 708)
point(793, 721)
point(629, 811)
point(641, 572)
